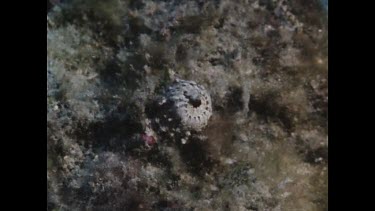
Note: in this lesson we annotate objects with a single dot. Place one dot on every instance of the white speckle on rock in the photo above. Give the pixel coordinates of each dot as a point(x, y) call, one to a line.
point(229, 161)
point(213, 188)
point(183, 141)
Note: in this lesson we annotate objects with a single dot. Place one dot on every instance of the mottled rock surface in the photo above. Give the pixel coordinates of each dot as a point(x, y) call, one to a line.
point(264, 64)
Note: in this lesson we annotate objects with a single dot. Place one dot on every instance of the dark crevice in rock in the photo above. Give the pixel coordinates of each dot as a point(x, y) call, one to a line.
point(196, 157)
point(234, 99)
point(267, 108)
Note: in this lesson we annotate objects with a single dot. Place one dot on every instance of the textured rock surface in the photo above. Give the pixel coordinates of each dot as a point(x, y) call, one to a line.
point(264, 64)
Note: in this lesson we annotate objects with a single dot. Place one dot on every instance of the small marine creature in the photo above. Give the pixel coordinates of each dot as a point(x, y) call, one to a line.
point(182, 109)
point(191, 103)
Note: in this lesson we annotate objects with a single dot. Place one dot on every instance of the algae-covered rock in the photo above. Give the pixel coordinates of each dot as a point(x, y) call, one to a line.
point(124, 76)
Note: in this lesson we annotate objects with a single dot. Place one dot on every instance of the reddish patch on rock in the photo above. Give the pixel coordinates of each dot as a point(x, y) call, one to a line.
point(150, 140)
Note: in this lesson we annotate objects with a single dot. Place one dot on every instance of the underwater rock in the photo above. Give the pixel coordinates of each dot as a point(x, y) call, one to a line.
point(119, 136)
